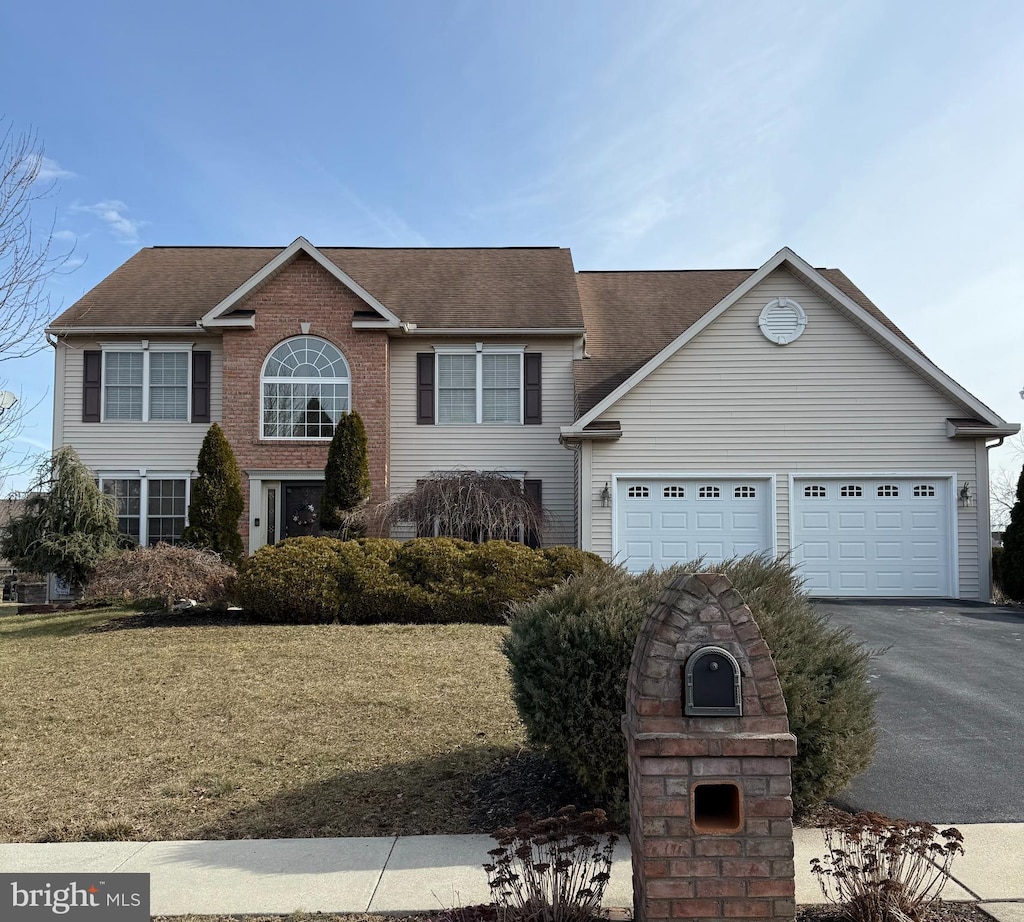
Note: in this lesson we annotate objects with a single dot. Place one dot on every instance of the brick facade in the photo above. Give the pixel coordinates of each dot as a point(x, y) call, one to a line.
point(303, 292)
point(684, 868)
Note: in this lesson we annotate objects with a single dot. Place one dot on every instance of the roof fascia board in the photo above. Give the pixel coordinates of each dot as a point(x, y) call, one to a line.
point(930, 372)
point(653, 364)
point(496, 331)
point(300, 244)
point(960, 431)
point(249, 322)
point(193, 329)
point(568, 434)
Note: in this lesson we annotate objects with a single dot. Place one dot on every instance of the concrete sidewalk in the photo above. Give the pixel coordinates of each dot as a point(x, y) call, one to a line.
point(411, 873)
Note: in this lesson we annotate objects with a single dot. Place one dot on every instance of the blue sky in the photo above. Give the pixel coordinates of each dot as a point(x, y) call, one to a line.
point(885, 139)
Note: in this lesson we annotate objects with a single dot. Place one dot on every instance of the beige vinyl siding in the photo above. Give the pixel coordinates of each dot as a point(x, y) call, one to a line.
point(119, 446)
point(417, 451)
point(731, 402)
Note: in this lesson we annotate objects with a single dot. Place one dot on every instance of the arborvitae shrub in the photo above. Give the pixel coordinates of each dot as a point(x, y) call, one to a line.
point(997, 562)
point(424, 581)
point(569, 651)
point(153, 577)
point(216, 503)
point(295, 581)
point(1011, 563)
point(347, 474)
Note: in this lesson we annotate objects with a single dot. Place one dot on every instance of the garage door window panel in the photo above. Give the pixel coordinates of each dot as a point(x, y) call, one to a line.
point(815, 491)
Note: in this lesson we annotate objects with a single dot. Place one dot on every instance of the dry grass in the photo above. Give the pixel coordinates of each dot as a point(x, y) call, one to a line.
point(245, 730)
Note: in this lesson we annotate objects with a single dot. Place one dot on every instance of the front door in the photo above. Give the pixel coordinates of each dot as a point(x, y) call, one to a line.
point(301, 509)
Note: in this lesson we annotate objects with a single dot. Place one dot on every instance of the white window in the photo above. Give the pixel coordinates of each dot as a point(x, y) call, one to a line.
point(168, 385)
point(709, 493)
point(745, 492)
point(305, 389)
point(674, 492)
point(924, 489)
point(146, 382)
point(638, 492)
point(149, 509)
point(889, 489)
point(480, 387)
point(848, 490)
point(815, 491)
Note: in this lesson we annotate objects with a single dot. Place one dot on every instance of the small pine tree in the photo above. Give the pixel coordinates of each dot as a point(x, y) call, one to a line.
point(217, 502)
point(1011, 562)
point(68, 525)
point(347, 474)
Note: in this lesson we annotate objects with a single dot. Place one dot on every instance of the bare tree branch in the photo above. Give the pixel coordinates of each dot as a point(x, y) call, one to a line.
point(26, 265)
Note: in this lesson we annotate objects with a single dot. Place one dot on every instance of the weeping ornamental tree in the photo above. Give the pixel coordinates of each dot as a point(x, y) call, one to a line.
point(1011, 563)
point(474, 505)
point(68, 525)
point(217, 503)
point(346, 476)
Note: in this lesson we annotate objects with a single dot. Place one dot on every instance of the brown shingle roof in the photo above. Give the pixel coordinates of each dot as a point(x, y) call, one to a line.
point(529, 287)
point(631, 316)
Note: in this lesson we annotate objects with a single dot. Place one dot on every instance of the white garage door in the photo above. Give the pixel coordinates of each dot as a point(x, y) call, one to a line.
point(871, 536)
point(665, 520)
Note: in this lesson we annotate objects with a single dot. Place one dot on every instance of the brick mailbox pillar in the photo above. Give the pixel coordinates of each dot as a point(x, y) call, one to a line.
point(709, 753)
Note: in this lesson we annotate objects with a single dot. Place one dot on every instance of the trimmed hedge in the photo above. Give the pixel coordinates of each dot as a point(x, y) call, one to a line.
point(424, 581)
point(569, 651)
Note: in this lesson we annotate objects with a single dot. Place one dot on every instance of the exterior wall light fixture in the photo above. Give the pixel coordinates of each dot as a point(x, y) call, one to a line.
point(606, 495)
point(965, 498)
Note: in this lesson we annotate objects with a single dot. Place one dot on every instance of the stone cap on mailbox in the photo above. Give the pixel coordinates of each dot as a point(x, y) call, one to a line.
point(696, 611)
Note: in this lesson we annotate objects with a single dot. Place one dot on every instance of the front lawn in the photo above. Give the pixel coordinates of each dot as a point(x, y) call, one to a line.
point(234, 731)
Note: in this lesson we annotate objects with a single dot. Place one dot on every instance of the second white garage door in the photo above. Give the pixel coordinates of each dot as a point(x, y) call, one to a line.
point(660, 521)
point(874, 536)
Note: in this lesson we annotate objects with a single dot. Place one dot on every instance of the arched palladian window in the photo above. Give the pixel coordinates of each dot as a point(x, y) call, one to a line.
point(305, 389)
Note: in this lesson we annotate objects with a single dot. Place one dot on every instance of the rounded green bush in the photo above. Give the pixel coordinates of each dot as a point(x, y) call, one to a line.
point(562, 562)
point(296, 581)
point(569, 651)
point(375, 580)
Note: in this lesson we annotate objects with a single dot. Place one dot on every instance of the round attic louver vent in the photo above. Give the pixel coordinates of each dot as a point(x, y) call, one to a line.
point(782, 320)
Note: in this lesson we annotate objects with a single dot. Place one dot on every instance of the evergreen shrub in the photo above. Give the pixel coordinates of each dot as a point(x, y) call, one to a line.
point(423, 581)
point(569, 651)
point(1011, 562)
point(295, 581)
point(347, 474)
point(216, 504)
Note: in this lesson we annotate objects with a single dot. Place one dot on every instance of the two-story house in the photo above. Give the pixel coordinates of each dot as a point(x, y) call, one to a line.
point(658, 416)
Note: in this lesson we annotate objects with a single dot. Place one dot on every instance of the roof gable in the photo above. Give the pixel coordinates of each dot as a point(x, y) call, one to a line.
point(693, 318)
point(221, 314)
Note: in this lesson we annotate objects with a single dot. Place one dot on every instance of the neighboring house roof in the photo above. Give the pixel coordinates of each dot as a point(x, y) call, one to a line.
point(444, 289)
point(637, 321)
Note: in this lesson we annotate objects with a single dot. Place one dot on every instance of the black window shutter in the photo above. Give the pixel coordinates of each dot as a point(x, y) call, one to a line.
point(201, 387)
point(531, 389)
point(92, 378)
point(532, 489)
point(425, 388)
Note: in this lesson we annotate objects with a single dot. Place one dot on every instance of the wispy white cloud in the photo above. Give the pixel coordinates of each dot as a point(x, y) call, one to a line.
point(112, 213)
point(65, 235)
point(50, 170)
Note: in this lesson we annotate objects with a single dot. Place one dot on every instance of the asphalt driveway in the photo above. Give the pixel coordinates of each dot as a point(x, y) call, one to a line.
point(950, 709)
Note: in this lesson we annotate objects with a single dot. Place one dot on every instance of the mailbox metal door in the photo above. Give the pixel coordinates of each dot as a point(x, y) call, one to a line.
point(712, 684)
